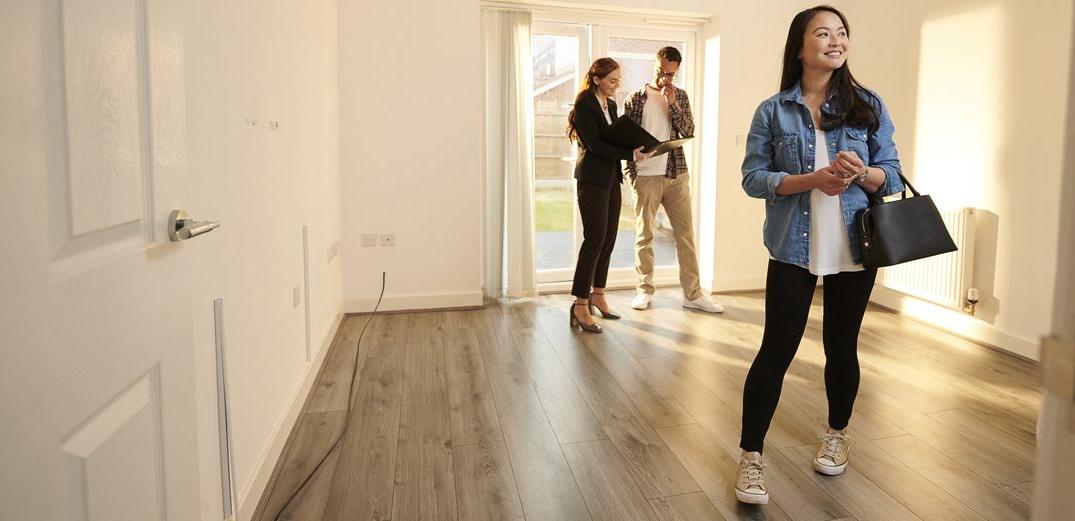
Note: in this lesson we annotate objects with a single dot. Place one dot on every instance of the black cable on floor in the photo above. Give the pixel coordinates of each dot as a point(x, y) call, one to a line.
point(350, 409)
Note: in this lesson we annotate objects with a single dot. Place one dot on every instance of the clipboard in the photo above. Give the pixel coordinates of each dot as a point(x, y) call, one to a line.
point(625, 133)
point(668, 146)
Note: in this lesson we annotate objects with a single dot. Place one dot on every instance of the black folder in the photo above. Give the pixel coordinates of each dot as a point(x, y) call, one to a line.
point(625, 133)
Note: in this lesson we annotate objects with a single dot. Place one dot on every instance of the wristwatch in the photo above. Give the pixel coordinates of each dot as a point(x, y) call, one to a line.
point(861, 178)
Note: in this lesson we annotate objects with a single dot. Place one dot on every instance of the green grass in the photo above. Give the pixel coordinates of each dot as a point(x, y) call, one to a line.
point(554, 210)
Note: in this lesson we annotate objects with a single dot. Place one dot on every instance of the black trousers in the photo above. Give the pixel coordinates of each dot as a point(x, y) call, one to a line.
point(788, 292)
point(600, 212)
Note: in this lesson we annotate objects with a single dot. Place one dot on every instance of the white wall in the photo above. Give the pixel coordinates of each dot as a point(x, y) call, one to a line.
point(410, 120)
point(266, 61)
point(980, 123)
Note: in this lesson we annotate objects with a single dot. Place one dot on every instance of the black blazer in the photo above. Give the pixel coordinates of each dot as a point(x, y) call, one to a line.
point(599, 162)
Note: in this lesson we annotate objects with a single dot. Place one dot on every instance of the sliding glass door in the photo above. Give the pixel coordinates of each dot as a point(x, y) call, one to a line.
point(562, 53)
point(634, 49)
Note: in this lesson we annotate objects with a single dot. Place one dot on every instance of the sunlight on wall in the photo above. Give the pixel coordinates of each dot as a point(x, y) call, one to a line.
point(707, 187)
point(959, 128)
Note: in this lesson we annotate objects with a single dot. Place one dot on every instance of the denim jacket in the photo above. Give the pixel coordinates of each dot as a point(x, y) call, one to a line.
point(781, 143)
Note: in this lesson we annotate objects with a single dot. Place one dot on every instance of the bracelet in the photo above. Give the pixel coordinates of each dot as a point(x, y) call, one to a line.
point(861, 178)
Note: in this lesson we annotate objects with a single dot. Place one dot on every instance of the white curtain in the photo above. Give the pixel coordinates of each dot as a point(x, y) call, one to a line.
point(508, 244)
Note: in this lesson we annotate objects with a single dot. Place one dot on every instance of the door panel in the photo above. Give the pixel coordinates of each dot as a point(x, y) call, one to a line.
point(96, 381)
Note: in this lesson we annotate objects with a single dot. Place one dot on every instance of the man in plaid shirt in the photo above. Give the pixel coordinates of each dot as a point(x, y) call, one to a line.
point(664, 111)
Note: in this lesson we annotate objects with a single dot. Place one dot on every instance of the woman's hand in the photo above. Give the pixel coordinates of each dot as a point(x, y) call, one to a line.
point(829, 181)
point(848, 164)
point(640, 155)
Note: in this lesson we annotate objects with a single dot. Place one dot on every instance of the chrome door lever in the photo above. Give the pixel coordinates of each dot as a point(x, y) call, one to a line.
point(181, 227)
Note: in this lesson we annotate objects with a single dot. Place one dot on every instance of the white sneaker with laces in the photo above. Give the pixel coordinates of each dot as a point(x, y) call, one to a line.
point(750, 484)
point(703, 303)
point(831, 459)
point(641, 301)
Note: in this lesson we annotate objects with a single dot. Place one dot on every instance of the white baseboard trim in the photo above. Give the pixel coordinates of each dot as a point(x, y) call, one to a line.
point(248, 499)
point(725, 284)
point(956, 323)
point(415, 302)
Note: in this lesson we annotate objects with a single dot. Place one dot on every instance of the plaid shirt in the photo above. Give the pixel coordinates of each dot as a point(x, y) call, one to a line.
point(682, 126)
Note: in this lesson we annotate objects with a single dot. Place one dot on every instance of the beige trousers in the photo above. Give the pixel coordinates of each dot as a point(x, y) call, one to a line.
point(650, 193)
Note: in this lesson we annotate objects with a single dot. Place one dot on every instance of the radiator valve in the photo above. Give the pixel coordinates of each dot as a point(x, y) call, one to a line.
point(972, 301)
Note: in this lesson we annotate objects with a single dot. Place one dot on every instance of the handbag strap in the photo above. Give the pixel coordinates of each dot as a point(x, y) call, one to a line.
point(876, 199)
point(907, 184)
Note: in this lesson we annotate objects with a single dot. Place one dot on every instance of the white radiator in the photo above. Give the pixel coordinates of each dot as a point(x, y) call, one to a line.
point(941, 279)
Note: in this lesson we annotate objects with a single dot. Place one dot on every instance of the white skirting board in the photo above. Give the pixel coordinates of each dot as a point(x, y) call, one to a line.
point(248, 498)
point(955, 322)
point(414, 302)
point(738, 284)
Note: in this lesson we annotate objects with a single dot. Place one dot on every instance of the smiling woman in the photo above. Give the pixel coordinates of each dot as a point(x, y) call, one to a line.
point(814, 152)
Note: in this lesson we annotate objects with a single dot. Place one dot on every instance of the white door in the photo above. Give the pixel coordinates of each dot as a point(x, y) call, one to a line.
point(96, 376)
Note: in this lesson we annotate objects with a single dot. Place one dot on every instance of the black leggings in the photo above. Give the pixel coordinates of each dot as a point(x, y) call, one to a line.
point(788, 292)
point(600, 212)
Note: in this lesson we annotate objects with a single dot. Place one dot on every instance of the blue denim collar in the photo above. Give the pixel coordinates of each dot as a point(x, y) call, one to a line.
point(795, 93)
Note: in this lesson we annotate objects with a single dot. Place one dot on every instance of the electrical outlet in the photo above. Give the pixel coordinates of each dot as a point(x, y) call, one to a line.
point(369, 240)
point(333, 251)
point(388, 239)
point(296, 297)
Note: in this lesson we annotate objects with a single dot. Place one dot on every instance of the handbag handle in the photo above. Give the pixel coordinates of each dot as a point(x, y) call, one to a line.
point(876, 199)
point(907, 184)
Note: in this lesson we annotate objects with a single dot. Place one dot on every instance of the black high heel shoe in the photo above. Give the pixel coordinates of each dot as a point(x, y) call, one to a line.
point(592, 328)
point(604, 314)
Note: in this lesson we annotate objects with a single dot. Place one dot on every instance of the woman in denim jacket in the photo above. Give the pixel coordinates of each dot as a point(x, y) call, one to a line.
point(814, 151)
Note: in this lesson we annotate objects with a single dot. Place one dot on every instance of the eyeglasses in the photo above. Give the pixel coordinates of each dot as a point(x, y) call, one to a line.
point(665, 74)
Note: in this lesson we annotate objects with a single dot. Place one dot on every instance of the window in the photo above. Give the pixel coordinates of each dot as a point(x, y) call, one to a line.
point(557, 52)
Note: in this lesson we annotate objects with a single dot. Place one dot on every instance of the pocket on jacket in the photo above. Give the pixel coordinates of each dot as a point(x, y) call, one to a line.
point(786, 152)
point(855, 141)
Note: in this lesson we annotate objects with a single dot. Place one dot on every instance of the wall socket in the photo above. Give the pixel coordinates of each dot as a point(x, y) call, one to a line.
point(369, 240)
point(296, 296)
point(388, 239)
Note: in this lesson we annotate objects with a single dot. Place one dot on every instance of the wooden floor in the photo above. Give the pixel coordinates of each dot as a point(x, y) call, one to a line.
point(505, 413)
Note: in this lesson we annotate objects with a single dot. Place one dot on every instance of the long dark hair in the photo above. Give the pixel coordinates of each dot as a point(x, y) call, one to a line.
point(600, 68)
point(852, 104)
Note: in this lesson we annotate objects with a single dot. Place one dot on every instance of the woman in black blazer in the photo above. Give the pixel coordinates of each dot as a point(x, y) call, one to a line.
point(598, 176)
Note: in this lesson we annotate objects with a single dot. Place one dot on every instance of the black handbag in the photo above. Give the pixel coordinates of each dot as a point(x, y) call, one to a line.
point(907, 229)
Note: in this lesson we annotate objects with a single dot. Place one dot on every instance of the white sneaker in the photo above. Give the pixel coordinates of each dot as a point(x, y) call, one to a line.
point(831, 459)
point(750, 484)
point(703, 303)
point(641, 301)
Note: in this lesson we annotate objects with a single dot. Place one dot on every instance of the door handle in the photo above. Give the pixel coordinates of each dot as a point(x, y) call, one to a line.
point(181, 227)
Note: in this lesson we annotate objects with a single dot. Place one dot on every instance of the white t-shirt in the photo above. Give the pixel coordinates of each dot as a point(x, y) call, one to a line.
point(656, 121)
point(830, 249)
